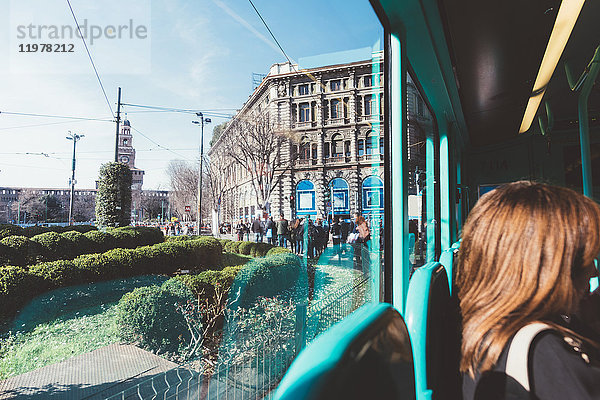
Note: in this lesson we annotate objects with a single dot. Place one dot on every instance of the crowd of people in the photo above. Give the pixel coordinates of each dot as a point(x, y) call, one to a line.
point(305, 235)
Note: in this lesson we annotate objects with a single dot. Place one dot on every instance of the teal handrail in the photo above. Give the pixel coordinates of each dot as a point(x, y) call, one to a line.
point(585, 84)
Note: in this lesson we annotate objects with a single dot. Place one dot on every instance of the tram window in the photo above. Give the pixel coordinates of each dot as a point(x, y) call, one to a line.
point(423, 203)
point(287, 145)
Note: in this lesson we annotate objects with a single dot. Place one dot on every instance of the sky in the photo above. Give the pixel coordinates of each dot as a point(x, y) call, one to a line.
point(193, 55)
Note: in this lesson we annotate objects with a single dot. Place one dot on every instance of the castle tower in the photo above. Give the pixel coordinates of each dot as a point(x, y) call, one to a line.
point(126, 155)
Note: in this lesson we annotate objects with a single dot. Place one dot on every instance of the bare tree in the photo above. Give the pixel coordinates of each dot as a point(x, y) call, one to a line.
point(256, 146)
point(217, 172)
point(183, 178)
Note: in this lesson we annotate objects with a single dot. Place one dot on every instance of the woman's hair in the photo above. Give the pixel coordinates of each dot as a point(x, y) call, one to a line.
point(360, 220)
point(520, 246)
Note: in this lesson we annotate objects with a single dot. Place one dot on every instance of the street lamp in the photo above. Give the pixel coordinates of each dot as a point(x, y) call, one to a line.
point(198, 206)
point(74, 137)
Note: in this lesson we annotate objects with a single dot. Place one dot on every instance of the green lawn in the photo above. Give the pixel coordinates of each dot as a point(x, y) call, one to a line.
point(55, 341)
point(65, 323)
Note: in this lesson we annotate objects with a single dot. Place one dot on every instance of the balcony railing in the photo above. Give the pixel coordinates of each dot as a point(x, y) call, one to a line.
point(371, 157)
point(304, 124)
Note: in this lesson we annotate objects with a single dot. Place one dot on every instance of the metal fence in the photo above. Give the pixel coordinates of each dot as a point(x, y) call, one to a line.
point(251, 367)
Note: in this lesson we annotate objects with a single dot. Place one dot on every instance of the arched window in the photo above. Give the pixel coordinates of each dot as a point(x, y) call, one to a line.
point(305, 198)
point(339, 195)
point(372, 189)
point(304, 149)
point(337, 145)
point(372, 143)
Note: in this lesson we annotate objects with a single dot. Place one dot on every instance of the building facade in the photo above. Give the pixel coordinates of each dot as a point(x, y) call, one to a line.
point(332, 119)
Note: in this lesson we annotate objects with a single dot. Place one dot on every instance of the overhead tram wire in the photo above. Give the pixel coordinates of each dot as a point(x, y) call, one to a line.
point(54, 116)
point(180, 110)
point(161, 146)
point(91, 59)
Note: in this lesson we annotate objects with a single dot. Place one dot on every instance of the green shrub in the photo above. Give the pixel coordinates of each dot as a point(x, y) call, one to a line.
point(58, 273)
point(205, 281)
point(245, 248)
point(281, 274)
point(277, 250)
point(148, 316)
point(10, 230)
point(55, 246)
point(125, 238)
point(17, 286)
point(260, 249)
point(224, 242)
point(102, 241)
point(82, 228)
point(20, 250)
point(31, 231)
point(83, 245)
point(179, 238)
point(197, 254)
point(228, 259)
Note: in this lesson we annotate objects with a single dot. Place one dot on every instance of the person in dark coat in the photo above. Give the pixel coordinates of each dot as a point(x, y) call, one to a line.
point(282, 231)
point(524, 265)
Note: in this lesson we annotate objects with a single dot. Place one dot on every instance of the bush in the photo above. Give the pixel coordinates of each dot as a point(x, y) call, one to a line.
point(205, 281)
point(228, 259)
point(179, 238)
point(260, 249)
point(56, 274)
point(281, 274)
point(54, 246)
point(10, 230)
point(101, 241)
point(160, 258)
point(82, 244)
point(245, 248)
point(277, 250)
point(17, 286)
point(19, 250)
point(148, 315)
point(31, 231)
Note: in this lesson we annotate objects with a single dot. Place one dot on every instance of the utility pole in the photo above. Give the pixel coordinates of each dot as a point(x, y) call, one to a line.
point(199, 205)
point(118, 122)
point(74, 137)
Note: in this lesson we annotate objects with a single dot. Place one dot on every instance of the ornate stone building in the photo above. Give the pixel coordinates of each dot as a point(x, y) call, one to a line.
point(332, 117)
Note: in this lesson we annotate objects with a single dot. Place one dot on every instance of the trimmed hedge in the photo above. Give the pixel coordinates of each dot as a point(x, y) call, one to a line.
point(198, 255)
point(19, 250)
point(55, 246)
point(148, 316)
point(51, 246)
point(30, 231)
point(278, 275)
point(205, 281)
point(277, 250)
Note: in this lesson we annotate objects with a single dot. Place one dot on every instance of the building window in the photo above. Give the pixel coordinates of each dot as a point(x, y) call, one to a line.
point(303, 89)
point(304, 112)
point(305, 151)
point(337, 145)
point(369, 105)
point(335, 85)
point(326, 150)
point(314, 151)
point(368, 81)
point(305, 198)
point(340, 195)
point(336, 111)
point(420, 106)
point(371, 144)
point(372, 194)
point(380, 145)
point(347, 148)
point(361, 147)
